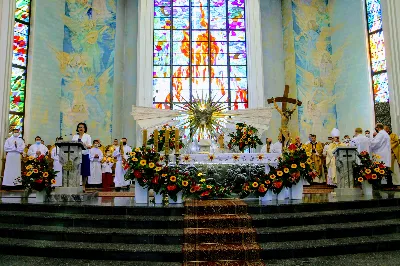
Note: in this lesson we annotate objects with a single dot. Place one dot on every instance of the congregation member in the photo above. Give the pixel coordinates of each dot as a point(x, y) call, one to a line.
point(330, 157)
point(14, 147)
point(106, 169)
point(95, 156)
point(361, 142)
point(316, 149)
point(297, 142)
point(367, 133)
point(395, 150)
point(114, 145)
point(56, 163)
point(121, 152)
point(346, 139)
point(37, 149)
point(380, 145)
point(86, 140)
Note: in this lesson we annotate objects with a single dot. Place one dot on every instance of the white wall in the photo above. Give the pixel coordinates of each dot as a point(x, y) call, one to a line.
point(355, 104)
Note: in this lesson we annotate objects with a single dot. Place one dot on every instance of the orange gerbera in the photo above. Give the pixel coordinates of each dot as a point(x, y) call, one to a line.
point(172, 178)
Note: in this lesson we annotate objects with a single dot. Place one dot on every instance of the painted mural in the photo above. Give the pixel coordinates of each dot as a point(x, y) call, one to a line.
point(87, 66)
point(314, 69)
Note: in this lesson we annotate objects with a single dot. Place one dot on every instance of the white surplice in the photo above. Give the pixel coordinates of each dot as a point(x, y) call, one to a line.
point(380, 145)
point(362, 143)
point(95, 166)
point(57, 166)
point(37, 147)
point(276, 147)
point(14, 146)
point(119, 179)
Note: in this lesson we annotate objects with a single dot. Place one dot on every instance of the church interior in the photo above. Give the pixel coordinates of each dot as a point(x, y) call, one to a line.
point(199, 132)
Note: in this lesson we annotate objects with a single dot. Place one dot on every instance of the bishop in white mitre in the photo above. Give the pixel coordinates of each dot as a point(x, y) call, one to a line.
point(380, 145)
point(361, 142)
point(37, 149)
point(330, 157)
point(57, 165)
point(14, 147)
point(95, 156)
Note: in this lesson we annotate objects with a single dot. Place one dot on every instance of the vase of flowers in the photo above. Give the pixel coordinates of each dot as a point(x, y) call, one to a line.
point(367, 188)
point(38, 175)
point(158, 197)
point(244, 137)
point(297, 191)
point(370, 171)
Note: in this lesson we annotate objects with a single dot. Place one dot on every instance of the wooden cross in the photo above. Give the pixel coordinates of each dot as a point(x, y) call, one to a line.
point(285, 99)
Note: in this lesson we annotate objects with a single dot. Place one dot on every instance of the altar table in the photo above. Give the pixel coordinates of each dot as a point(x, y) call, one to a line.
point(230, 158)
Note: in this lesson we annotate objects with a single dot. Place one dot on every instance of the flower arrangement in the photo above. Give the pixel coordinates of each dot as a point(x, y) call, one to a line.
point(371, 169)
point(294, 164)
point(244, 137)
point(175, 181)
point(38, 174)
point(208, 188)
point(143, 166)
point(161, 138)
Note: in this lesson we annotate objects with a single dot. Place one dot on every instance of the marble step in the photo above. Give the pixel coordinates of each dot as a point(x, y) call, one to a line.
point(325, 217)
point(217, 221)
point(106, 209)
point(220, 252)
point(225, 262)
point(93, 235)
point(287, 206)
point(98, 251)
point(90, 220)
point(219, 235)
point(329, 247)
point(327, 231)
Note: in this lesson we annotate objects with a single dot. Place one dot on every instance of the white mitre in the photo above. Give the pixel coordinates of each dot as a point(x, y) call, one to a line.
point(335, 132)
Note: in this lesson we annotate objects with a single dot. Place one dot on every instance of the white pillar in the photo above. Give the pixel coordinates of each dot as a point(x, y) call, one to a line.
point(7, 10)
point(255, 78)
point(391, 32)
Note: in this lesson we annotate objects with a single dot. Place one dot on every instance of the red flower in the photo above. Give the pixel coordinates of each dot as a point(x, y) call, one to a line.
point(277, 184)
point(39, 181)
point(381, 166)
point(155, 180)
point(368, 176)
point(137, 174)
point(312, 174)
point(171, 187)
point(295, 175)
point(205, 193)
point(292, 147)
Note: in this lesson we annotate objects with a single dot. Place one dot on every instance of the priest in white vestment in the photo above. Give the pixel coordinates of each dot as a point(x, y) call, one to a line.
point(119, 179)
point(330, 157)
point(14, 147)
point(380, 145)
point(56, 164)
point(96, 156)
point(38, 149)
point(361, 142)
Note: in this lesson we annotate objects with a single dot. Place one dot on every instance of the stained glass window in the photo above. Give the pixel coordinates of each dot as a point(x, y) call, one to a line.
point(199, 52)
point(19, 64)
point(378, 61)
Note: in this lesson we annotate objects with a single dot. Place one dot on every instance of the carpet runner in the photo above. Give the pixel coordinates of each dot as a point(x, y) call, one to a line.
point(219, 232)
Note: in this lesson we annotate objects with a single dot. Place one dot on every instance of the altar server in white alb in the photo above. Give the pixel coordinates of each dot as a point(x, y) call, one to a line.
point(277, 146)
point(360, 141)
point(380, 145)
point(37, 149)
point(121, 153)
point(14, 147)
point(96, 156)
point(56, 164)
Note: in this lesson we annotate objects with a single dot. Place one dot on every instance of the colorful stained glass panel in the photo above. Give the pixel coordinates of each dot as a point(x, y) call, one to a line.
point(20, 44)
point(22, 9)
point(17, 93)
point(374, 14)
point(377, 49)
point(15, 121)
point(381, 87)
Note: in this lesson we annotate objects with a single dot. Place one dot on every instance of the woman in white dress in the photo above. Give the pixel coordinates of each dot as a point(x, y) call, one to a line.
point(87, 142)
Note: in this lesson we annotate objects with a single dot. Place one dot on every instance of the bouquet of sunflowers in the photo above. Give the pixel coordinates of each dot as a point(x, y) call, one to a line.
point(38, 174)
point(371, 169)
point(244, 137)
point(161, 138)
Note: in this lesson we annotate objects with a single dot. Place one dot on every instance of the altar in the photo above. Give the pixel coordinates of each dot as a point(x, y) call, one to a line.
point(230, 158)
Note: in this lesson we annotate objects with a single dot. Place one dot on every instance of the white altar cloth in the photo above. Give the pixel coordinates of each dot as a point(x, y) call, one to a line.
point(230, 158)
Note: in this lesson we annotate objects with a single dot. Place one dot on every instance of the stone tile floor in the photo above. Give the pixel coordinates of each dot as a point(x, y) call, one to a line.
point(366, 259)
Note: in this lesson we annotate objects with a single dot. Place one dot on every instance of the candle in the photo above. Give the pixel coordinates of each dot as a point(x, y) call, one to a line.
point(155, 134)
point(177, 144)
point(144, 137)
point(166, 148)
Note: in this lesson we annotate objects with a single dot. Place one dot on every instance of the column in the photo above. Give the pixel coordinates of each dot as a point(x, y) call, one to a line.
point(391, 31)
point(255, 76)
point(7, 10)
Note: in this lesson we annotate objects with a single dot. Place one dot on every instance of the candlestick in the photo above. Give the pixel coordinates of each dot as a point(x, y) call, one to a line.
point(166, 148)
point(177, 144)
point(155, 135)
point(144, 137)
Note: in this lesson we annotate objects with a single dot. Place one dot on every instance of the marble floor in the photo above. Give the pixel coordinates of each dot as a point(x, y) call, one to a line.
point(16, 197)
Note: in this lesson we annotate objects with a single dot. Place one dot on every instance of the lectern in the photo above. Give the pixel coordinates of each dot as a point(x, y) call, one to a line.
point(345, 158)
point(70, 158)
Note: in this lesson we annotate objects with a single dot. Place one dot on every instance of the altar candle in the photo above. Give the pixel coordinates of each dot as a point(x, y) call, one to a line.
point(166, 142)
point(155, 135)
point(144, 137)
point(177, 141)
